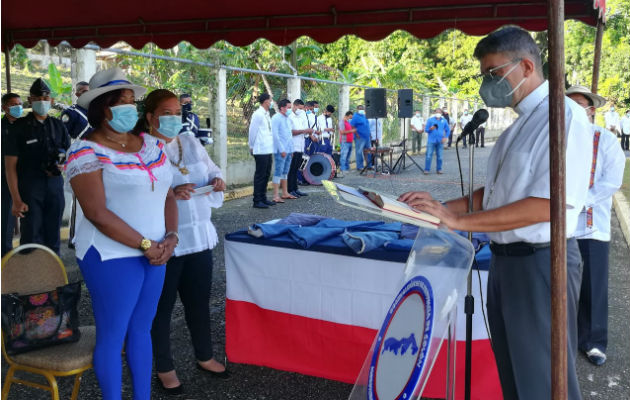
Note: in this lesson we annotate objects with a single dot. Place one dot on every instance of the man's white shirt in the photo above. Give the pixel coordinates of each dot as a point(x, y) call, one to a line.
point(298, 122)
point(464, 120)
point(323, 123)
point(625, 124)
point(260, 137)
point(418, 123)
point(612, 119)
point(607, 180)
point(376, 129)
point(523, 152)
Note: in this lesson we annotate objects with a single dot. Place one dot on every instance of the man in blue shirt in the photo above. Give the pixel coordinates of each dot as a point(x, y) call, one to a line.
point(362, 138)
point(75, 117)
point(438, 130)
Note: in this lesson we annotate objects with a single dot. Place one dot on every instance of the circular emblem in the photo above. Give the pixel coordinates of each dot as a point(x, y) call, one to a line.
point(65, 118)
point(402, 343)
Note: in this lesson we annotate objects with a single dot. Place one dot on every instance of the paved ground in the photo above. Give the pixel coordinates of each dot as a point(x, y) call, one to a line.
point(611, 381)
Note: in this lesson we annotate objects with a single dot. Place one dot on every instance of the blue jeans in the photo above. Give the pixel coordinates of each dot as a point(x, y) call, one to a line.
point(281, 168)
point(360, 144)
point(125, 294)
point(438, 148)
point(344, 156)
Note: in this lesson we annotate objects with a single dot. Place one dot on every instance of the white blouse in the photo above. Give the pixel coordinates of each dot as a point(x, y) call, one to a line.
point(135, 185)
point(196, 231)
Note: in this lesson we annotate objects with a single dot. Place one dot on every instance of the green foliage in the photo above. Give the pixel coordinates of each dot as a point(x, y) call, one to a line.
point(59, 90)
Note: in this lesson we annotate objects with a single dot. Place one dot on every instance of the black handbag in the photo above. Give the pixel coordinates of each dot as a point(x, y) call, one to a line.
point(39, 320)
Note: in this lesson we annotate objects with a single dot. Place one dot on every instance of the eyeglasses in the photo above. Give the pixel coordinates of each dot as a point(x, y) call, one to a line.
point(490, 74)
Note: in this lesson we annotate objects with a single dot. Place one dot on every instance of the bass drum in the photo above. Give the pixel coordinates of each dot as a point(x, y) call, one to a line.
point(320, 167)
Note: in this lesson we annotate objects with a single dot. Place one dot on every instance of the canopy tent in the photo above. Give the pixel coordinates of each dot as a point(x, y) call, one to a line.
point(203, 23)
point(240, 23)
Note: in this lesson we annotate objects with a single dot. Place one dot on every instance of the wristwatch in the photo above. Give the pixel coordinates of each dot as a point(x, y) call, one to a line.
point(145, 244)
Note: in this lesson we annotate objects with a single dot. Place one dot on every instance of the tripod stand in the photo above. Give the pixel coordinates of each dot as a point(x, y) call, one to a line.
point(405, 154)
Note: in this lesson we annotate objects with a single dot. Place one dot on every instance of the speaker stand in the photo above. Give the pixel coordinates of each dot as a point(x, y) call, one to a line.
point(400, 163)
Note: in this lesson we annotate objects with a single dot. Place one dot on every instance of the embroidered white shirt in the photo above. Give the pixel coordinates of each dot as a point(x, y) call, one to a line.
point(260, 137)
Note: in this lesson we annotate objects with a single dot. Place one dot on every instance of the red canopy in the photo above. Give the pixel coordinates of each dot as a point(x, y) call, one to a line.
point(203, 23)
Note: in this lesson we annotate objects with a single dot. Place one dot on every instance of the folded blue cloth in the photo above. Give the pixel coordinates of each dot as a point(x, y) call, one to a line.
point(306, 236)
point(399, 244)
point(269, 230)
point(301, 219)
point(362, 242)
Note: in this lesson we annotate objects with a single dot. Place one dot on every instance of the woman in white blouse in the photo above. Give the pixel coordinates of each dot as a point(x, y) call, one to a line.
point(122, 182)
point(189, 272)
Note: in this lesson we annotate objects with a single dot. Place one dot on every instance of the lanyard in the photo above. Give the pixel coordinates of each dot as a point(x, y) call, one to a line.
point(507, 151)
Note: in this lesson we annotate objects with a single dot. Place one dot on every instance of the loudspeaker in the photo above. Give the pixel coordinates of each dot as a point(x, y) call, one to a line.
point(375, 105)
point(405, 103)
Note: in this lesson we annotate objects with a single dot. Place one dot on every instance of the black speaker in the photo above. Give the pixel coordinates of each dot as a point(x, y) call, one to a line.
point(405, 103)
point(375, 105)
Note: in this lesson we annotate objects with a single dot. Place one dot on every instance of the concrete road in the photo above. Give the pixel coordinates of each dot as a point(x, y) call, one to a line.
point(611, 381)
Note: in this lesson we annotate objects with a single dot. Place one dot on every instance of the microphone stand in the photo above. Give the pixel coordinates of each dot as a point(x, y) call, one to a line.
point(469, 301)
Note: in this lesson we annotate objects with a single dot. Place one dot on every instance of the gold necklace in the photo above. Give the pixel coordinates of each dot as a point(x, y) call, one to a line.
point(182, 168)
point(116, 141)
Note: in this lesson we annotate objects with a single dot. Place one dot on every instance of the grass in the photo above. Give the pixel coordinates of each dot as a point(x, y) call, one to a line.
point(625, 184)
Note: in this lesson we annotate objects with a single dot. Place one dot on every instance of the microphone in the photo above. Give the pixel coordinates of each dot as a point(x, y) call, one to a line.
point(478, 118)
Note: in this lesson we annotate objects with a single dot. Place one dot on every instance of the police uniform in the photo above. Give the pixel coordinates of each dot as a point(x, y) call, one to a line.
point(38, 146)
point(324, 123)
point(190, 122)
point(76, 121)
point(7, 217)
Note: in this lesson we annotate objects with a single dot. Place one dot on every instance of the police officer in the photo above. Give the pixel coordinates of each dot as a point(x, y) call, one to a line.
point(34, 155)
point(12, 108)
point(75, 117)
point(190, 120)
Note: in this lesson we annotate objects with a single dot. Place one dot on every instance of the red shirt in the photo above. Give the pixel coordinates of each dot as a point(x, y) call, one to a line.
point(350, 135)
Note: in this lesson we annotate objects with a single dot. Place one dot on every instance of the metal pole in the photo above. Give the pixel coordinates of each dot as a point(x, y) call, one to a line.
point(7, 64)
point(557, 174)
point(597, 55)
point(469, 301)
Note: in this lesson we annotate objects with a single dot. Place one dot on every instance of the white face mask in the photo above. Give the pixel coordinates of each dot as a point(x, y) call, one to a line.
point(437, 115)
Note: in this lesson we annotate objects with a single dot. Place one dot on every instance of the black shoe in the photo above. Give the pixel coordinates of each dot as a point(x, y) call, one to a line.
point(260, 204)
point(299, 193)
point(170, 391)
point(596, 356)
point(269, 202)
point(294, 193)
point(221, 375)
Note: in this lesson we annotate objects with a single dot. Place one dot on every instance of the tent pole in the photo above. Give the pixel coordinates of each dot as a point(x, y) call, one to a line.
point(597, 55)
point(557, 174)
point(7, 64)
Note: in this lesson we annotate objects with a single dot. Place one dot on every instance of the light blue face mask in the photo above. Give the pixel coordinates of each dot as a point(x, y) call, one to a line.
point(41, 107)
point(289, 112)
point(308, 112)
point(315, 110)
point(170, 125)
point(124, 117)
point(16, 111)
point(362, 112)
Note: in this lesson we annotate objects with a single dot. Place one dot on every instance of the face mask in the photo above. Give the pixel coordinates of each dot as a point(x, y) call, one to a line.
point(437, 115)
point(308, 112)
point(170, 125)
point(16, 111)
point(417, 114)
point(316, 110)
point(496, 91)
point(271, 105)
point(289, 112)
point(187, 107)
point(41, 107)
point(362, 112)
point(124, 117)
point(612, 109)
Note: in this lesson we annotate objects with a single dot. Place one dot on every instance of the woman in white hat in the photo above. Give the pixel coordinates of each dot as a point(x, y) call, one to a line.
point(189, 271)
point(128, 232)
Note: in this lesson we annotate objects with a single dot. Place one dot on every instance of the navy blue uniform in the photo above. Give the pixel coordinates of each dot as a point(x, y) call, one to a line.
point(190, 120)
point(7, 217)
point(76, 122)
point(38, 145)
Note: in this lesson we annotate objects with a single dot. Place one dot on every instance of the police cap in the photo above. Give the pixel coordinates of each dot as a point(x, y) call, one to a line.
point(39, 88)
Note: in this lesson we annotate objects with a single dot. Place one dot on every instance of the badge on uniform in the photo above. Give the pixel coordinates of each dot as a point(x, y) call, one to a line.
point(65, 118)
point(31, 141)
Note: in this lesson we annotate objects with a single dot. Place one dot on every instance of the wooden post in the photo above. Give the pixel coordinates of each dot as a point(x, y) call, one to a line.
point(557, 172)
point(597, 55)
point(7, 65)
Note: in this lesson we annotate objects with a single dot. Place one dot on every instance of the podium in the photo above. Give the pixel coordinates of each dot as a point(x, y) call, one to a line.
point(420, 320)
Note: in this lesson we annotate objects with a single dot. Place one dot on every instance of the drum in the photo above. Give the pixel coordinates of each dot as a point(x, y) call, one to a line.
point(320, 166)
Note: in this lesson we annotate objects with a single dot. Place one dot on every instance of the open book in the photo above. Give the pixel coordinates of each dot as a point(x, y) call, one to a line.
point(376, 202)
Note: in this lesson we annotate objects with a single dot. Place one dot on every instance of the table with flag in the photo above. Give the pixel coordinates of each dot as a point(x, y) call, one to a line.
point(316, 310)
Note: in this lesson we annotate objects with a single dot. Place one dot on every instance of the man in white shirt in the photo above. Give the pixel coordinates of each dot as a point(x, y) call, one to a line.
point(480, 134)
point(299, 130)
point(417, 127)
point(625, 131)
point(327, 128)
point(463, 120)
point(311, 146)
point(514, 208)
point(593, 230)
point(611, 118)
point(261, 147)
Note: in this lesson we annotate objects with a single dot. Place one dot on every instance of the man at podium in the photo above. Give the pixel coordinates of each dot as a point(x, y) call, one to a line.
point(514, 208)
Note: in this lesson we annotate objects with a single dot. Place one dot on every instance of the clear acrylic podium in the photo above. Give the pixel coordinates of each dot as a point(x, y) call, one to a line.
point(419, 322)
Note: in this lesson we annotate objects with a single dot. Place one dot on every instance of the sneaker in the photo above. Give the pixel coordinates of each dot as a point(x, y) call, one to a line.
point(596, 356)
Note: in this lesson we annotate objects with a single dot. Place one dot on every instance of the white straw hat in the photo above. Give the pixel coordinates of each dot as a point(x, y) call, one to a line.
point(107, 81)
point(597, 100)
